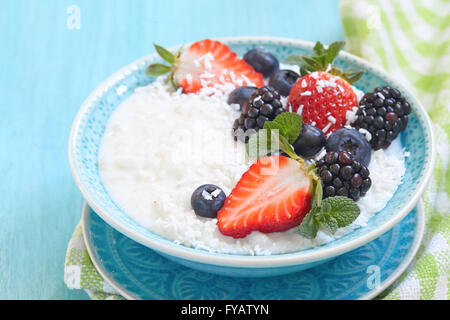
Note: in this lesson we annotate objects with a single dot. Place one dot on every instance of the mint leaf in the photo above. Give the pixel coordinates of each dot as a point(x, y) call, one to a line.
point(157, 69)
point(273, 125)
point(263, 142)
point(329, 223)
point(165, 54)
point(309, 226)
point(275, 135)
point(335, 212)
point(290, 125)
point(343, 209)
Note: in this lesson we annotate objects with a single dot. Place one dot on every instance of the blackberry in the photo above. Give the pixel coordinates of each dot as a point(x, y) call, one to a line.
point(264, 105)
point(384, 113)
point(341, 175)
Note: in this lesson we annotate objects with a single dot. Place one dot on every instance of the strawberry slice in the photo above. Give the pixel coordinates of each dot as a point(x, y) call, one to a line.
point(273, 195)
point(208, 63)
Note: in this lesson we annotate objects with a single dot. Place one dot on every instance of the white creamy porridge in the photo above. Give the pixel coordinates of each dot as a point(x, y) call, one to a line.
point(159, 146)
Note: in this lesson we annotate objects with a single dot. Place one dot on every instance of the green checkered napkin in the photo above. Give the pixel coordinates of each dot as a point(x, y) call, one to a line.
point(80, 272)
point(411, 40)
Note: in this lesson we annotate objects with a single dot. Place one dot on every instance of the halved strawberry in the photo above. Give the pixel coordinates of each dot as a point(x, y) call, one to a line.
point(206, 63)
point(273, 195)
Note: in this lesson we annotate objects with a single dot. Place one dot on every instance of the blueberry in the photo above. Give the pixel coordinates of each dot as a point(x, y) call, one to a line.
point(310, 141)
point(207, 200)
point(283, 81)
point(350, 140)
point(262, 61)
point(241, 96)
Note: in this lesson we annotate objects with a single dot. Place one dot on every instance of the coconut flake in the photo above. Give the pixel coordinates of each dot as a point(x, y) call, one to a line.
point(366, 134)
point(206, 195)
point(380, 95)
point(215, 193)
point(304, 84)
point(332, 119)
point(328, 126)
point(189, 78)
point(350, 116)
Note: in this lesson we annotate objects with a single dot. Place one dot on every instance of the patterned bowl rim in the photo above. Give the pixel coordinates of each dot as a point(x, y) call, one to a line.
point(120, 287)
point(246, 261)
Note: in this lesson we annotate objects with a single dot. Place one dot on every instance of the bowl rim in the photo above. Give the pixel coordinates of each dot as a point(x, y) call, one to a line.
point(237, 260)
point(420, 228)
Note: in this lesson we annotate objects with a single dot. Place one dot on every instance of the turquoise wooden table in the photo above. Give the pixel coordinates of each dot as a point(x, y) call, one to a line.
point(52, 55)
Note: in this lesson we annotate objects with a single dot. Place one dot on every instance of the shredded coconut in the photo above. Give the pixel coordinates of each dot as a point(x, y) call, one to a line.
point(304, 84)
point(150, 163)
point(359, 93)
point(325, 129)
point(215, 193)
point(332, 119)
point(366, 134)
point(350, 116)
point(206, 195)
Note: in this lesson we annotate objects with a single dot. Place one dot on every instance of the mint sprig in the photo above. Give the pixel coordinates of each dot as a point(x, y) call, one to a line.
point(335, 212)
point(330, 213)
point(276, 135)
point(322, 60)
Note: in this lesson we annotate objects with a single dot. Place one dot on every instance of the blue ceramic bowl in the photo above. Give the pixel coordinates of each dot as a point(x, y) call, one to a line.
point(89, 126)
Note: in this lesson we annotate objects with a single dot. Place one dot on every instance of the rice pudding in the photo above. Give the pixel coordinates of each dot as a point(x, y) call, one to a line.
point(161, 144)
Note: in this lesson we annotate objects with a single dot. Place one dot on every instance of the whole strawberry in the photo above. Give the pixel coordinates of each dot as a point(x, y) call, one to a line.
point(323, 94)
point(205, 63)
